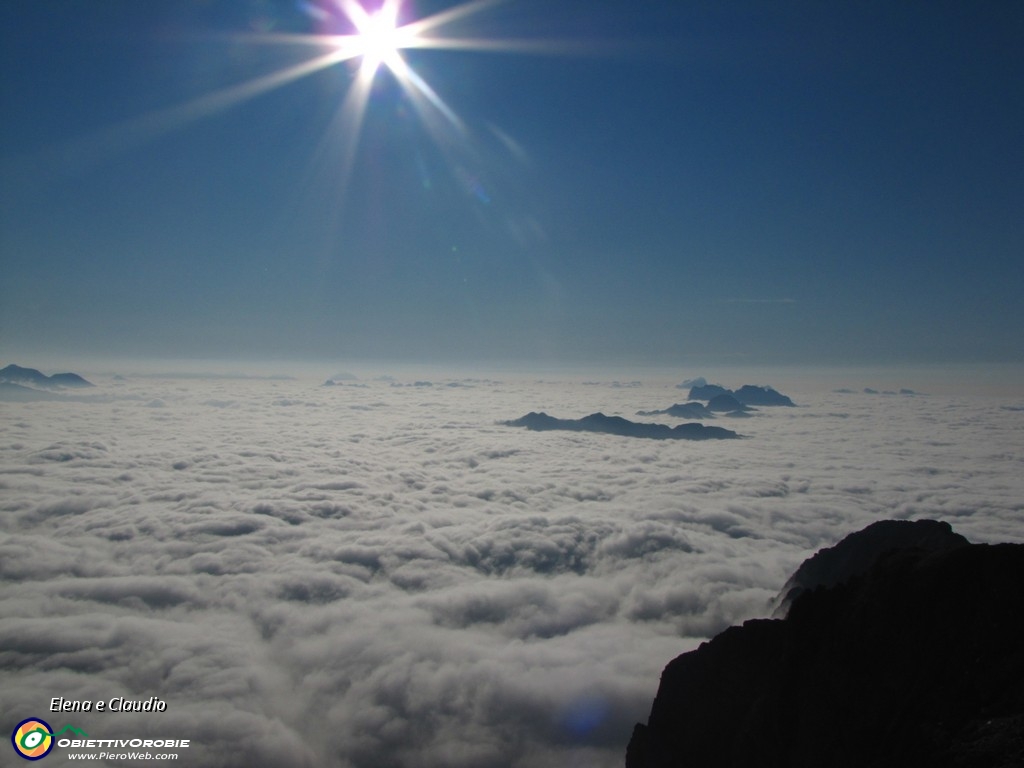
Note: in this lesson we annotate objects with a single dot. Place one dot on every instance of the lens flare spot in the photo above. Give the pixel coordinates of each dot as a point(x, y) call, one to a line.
point(585, 715)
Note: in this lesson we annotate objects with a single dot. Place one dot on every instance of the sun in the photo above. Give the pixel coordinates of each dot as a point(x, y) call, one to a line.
point(378, 37)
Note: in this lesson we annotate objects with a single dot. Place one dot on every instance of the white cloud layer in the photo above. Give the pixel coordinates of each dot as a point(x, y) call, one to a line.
point(385, 576)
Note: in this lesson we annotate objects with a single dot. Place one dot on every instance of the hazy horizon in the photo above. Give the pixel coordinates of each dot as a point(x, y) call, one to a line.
point(982, 379)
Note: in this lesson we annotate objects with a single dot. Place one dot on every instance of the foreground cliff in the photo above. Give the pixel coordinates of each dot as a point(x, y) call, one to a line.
point(916, 660)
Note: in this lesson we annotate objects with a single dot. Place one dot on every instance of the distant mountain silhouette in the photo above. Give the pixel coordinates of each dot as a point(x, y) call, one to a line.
point(725, 402)
point(748, 394)
point(707, 391)
point(700, 381)
point(69, 380)
point(682, 411)
point(870, 391)
point(616, 425)
point(30, 377)
point(912, 657)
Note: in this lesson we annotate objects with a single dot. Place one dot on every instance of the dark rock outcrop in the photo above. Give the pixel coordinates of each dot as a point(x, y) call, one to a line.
point(915, 661)
point(616, 425)
point(856, 553)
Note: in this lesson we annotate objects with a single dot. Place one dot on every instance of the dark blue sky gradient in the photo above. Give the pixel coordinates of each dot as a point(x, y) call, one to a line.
point(753, 182)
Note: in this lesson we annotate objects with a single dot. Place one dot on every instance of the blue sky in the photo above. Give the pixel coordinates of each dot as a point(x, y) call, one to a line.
point(748, 182)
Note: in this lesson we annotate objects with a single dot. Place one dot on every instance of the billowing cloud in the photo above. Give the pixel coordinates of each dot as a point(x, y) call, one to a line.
point(384, 575)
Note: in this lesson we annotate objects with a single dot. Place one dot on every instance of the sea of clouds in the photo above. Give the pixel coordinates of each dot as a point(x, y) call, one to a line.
point(379, 575)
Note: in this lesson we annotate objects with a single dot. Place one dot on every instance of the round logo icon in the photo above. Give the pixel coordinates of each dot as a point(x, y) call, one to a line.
point(32, 738)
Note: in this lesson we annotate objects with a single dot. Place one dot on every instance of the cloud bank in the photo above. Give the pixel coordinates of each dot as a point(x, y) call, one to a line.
point(382, 575)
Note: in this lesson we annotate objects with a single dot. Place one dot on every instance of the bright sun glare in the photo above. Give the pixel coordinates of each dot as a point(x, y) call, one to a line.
point(379, 37)
point(376, 36)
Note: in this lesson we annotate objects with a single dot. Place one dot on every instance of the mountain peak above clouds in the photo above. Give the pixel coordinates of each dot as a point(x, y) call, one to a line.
point(726, 403)
point(616, 425)
point(682, 411)
point(700, 381)
point(707, 391)
point(30, 377)
point(748, 394)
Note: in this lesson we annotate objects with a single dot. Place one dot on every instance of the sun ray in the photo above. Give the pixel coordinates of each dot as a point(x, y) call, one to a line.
point(417, 28)
point(374, 38)
point(422, 94)
point(99, 145)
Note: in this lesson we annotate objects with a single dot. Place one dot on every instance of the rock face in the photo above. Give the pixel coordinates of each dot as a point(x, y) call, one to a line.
point(917, 660)
point(858, 552)
point(616, 425)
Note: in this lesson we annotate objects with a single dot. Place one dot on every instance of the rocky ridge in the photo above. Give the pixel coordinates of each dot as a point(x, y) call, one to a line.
point(902, 649)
